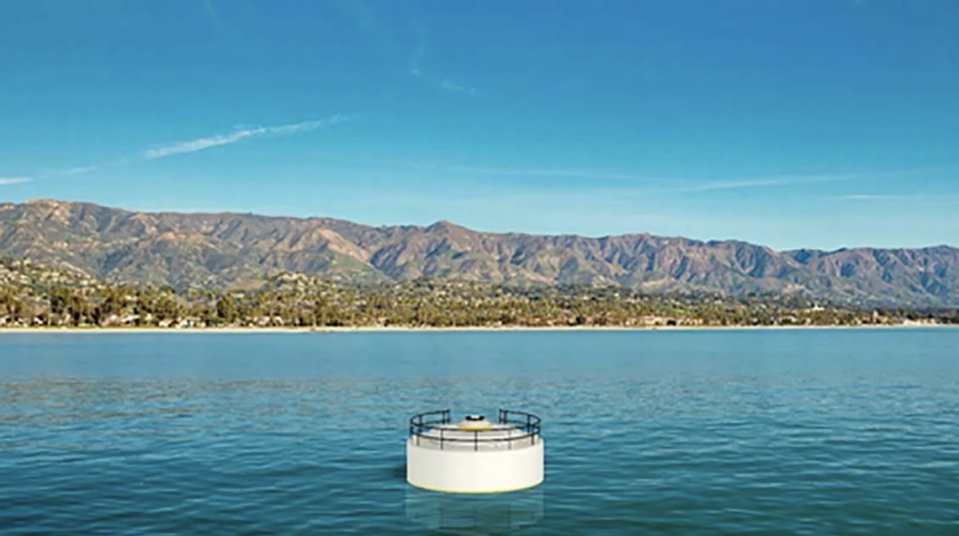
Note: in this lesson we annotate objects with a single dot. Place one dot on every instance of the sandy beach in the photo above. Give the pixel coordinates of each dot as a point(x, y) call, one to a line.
point(409, 329)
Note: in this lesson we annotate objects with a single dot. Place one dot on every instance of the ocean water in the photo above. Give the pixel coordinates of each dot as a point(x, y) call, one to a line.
point(814, 432)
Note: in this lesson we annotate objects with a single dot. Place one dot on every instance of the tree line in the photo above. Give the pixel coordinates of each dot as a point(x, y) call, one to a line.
point(300, 301)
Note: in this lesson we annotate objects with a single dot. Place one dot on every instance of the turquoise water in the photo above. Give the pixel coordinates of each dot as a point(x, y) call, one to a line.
point(726, 432)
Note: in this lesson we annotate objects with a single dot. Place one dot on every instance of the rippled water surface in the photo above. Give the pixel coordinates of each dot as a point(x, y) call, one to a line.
point(726, 432)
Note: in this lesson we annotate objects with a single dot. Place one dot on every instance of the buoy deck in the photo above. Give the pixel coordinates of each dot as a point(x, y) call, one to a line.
point(496, 437)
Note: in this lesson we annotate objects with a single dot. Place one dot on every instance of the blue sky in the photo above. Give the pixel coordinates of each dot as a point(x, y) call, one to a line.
point(792, 123)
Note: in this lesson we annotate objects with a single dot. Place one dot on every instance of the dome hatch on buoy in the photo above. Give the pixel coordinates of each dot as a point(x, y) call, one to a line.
point(475, 455)
point(474, 422)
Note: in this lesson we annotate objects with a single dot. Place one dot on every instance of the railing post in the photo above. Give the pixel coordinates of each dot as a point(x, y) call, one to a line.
point(475, 439)
point(441, 439)
point(529, 429)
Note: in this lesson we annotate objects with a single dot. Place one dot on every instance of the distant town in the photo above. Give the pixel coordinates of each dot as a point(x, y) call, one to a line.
point(36, 296)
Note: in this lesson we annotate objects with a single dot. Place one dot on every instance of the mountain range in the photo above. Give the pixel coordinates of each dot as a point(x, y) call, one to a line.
point(228, 249)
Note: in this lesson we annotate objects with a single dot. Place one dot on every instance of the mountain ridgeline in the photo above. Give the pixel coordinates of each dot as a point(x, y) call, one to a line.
point(227, 250)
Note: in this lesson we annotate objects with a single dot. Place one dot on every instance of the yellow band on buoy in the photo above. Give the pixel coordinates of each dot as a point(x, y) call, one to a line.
point(474, 426)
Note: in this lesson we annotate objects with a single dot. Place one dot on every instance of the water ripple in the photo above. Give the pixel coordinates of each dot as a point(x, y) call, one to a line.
point(646, 433)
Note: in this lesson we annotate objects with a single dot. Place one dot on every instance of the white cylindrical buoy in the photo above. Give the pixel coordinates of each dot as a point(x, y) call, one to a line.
point(475, 455)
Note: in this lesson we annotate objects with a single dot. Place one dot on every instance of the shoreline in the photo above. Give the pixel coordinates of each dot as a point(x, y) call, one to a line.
point(479, 329)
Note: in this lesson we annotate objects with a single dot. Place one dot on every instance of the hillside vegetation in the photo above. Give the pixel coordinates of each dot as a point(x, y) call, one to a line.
point(32, 295)
point(219, 251)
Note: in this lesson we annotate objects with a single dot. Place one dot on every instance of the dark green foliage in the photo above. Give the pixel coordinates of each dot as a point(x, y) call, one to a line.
point(226, 309)
point(31, 294)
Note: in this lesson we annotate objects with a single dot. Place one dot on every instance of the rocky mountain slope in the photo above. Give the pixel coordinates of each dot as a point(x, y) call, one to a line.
point(215, 250)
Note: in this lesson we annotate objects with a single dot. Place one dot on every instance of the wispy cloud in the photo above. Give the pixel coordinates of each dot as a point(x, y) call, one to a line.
point(387, 42)
point(445, 83)
point(457, 88)
point(79, 170)
point(417, 59)
point(762, 183)
point(214, 16)
point(871, 197)
point(663, 185)
point(239, 133)
point(417, 70)
point(544, 172)
point(200, 144)
point(946, 197)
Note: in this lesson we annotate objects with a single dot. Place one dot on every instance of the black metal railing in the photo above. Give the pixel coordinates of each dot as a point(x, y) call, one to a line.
point(527, 424)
